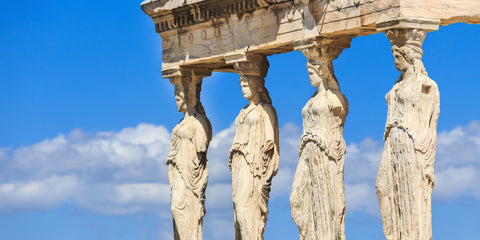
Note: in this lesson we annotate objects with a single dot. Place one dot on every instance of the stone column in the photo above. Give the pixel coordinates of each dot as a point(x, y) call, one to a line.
point(253, 157)
point(317, 200)
point(405, 177)
point(187, 161)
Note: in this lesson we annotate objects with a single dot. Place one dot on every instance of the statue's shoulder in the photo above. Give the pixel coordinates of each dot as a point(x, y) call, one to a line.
point(428, 85)
point(202, 119)
point(269, 112)
point(244, 108)
point(268, 108)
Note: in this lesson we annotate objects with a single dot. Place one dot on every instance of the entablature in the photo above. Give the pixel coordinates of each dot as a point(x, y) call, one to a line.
point(202, 33)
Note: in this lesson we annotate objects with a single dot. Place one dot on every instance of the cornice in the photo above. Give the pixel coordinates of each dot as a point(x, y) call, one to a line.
point(176, 14)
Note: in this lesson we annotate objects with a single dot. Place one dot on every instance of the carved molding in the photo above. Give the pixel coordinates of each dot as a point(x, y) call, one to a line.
point(408, 41)
point(249, 64)
point(402, 37)
point(409, 23)
point(323, 47)
point(188, 15)
point(180, 71)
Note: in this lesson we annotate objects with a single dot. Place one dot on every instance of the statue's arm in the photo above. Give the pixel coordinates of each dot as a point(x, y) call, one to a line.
point(339, 105)
point(432, 126)
point(269, 147)
point(202, 135)
point(270, 127)
point(426, 143)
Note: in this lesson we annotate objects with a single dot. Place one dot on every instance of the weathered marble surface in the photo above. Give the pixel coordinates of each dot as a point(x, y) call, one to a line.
point(318, 193)
point(201, 33)
point(187, 161)
point(406, 176)
point(201, 36)
point(254, 154)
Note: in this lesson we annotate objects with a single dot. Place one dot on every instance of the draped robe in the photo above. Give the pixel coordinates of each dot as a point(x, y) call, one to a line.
point(317, 200)
point(188, 175)
point(405, 178)
point(253, 161)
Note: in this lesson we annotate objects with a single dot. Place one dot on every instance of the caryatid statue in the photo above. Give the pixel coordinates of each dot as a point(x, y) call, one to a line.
point(254, 154)
point(317, 200)
point(405, 177)
point(187, 161)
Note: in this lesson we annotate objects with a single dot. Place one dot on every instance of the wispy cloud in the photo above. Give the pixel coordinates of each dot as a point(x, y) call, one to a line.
point(124, 172)
point(110, 173)
point(457, 167)
point(458, 163)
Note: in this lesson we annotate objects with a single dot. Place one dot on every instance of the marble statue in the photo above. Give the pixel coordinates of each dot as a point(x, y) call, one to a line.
point(187, 161)
point(198, 37)
point(405, 177)
point(253, 159)
point(317, 200)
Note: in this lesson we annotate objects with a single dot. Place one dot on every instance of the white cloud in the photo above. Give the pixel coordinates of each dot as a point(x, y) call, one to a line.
point(127, 198)
point(219, 195)
point(217, 155)
point(289, 138)
point(124, 172)
point(361, 197)
point(34, 195)
point(457, 163)
point(361, 166)
point(453, 182)
point(220, 228)
point(3, 152)
point(362, 159)
point(459, 146)
point(109, 172)
point(457, 166)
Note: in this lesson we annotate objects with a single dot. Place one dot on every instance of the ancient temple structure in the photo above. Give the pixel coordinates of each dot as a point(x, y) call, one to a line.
point(203, 36)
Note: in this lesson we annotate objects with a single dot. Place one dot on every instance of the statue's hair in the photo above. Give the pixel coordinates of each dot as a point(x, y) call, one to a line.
point(199, 106)
point(332, 82)
point(191, 88)
point(413, 55)
point(258, 84)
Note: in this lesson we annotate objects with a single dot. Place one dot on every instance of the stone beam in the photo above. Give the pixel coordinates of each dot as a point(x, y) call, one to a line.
point(201, 32)
point(445, 11)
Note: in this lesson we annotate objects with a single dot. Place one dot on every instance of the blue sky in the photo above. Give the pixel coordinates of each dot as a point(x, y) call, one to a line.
point(85, 119)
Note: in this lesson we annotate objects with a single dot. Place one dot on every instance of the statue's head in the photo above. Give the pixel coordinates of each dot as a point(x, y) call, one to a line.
point(251, 86)
point(406, 46)
point(319, 72)
point(181, 100)
point(406, 55)
point(185, 93)
point(402, 59)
